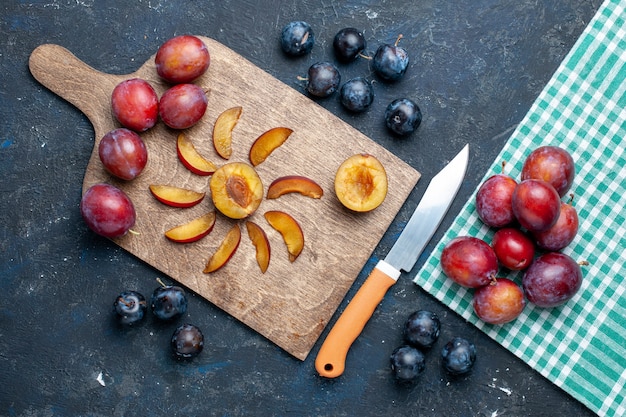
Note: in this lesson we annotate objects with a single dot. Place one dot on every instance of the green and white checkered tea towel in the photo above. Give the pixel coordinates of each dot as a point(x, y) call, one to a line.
point(581, 345)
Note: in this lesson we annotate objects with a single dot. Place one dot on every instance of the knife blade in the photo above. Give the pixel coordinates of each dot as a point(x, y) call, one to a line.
point(441, 191)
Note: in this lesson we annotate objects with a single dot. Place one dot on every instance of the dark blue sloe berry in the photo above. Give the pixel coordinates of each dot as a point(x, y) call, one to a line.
point(297, 38)
point(130, 307)
point(390, 61)
point(407, 363)
point(422, 329)
point(323, 79)
point(187, 341)
point(403, 116)
point(348, 44)
point(168, 302)
point(458, 356)
point(357, 94)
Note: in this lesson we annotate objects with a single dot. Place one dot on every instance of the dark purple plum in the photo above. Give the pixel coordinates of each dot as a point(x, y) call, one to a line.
point(458, 356)
point(357, 94)
point(403, 116)
point(390, 61)
point(323, 79)
point(187, 341)
point(348, 44)
point(407, 363)
point(422, 329)
point(168, 302)
point(130, 307)
point(297, 38)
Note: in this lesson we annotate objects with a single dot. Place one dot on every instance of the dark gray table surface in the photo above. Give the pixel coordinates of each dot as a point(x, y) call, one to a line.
point(476, 68)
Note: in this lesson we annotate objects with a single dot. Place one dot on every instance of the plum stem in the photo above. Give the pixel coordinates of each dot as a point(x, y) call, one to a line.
point(126, 303)
point(398, 40)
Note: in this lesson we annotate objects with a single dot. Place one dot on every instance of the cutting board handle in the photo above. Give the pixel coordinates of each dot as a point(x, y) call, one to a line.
point(67, 76)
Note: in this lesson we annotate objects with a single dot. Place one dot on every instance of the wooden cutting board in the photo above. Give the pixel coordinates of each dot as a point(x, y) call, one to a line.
point(292, 302)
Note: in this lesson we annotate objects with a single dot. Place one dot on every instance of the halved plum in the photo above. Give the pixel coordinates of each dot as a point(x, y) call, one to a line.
point(236, 189)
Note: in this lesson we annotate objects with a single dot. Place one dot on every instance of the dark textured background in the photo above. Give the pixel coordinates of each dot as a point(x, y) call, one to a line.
point(476, 69)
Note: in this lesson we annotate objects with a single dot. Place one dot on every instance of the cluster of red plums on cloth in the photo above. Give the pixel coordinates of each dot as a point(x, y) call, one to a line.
point(533, 224)
point(106, 209)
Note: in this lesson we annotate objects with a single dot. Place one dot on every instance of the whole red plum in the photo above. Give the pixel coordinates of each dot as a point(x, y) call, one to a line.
point(499, 302)
point(469, 261)
point(123, 153)
point(551, 164)
point(107, 210)
point(494, 201)
point(135, 104)
point(514, 248)
point(552, 279)
point(182, 59)
point(562, 233)
point(536, 205)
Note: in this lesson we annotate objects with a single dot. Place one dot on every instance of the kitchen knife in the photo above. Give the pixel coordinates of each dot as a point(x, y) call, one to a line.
point(424, 221)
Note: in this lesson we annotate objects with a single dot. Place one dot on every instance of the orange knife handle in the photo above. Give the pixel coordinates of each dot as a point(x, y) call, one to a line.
point(331, 358)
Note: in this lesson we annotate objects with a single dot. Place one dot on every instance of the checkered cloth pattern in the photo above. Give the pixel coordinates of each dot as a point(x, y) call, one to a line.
point(581, 345)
